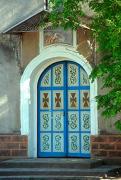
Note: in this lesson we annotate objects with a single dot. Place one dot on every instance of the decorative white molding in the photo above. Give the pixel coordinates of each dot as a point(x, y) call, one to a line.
point(28, 90)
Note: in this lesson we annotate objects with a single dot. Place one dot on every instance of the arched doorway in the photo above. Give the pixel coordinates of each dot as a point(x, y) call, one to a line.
point(28, 90)
point(63, 95)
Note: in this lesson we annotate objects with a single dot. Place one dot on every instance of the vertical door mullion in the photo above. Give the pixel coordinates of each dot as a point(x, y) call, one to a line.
point(66, 105)
point(51, 109)
point(79, 113)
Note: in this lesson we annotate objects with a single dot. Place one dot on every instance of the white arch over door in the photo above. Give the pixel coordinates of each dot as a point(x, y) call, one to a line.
point(28, 90)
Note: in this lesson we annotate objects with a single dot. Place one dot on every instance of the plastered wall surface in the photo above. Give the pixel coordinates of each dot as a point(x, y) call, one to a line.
point(30, 47)
point(9, 89)
point(13, 61)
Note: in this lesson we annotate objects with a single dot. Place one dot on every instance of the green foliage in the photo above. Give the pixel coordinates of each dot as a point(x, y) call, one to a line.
point(106, 25)
point(66, 13)
point(118, 124)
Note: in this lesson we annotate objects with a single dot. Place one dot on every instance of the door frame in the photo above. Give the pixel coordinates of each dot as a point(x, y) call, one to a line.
point(28, 90)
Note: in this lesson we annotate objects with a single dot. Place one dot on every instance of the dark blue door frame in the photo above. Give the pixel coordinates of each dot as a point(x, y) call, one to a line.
point(64, 90)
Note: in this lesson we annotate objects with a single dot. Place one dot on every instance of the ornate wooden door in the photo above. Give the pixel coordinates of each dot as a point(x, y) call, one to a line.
point(63, 111)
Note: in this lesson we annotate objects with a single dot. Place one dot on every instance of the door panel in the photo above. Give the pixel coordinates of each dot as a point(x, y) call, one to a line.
point(58, 121)
point(58, 73)
point(85, 144)
point(58, 100)
point(45, 100)
point(84, 95)
point(64, 111)
point(74, 144)
point(73, 100)
point(72, 75)
point(73, 121)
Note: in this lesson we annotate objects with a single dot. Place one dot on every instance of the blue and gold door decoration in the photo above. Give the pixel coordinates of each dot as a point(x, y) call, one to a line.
point(63, 96)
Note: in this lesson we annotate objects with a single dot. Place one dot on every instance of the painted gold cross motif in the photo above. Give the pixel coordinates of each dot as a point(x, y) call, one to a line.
point(58, 100)
point(85, 99)
point(45, 100)
point(73, 100)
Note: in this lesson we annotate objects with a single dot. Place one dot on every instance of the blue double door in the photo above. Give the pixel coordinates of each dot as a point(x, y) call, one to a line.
point(63, 111)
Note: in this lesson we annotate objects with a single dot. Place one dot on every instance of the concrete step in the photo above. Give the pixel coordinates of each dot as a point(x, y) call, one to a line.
point(112, 161)
point(102, 171)
point(52, 163)
point(58, 169)
point(52, 178)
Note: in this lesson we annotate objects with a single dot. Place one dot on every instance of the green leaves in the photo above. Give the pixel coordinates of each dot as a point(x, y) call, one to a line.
point(107, 31)
point(110, 103)
point(107, 26)
point(66, 13)
point(118, 124)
